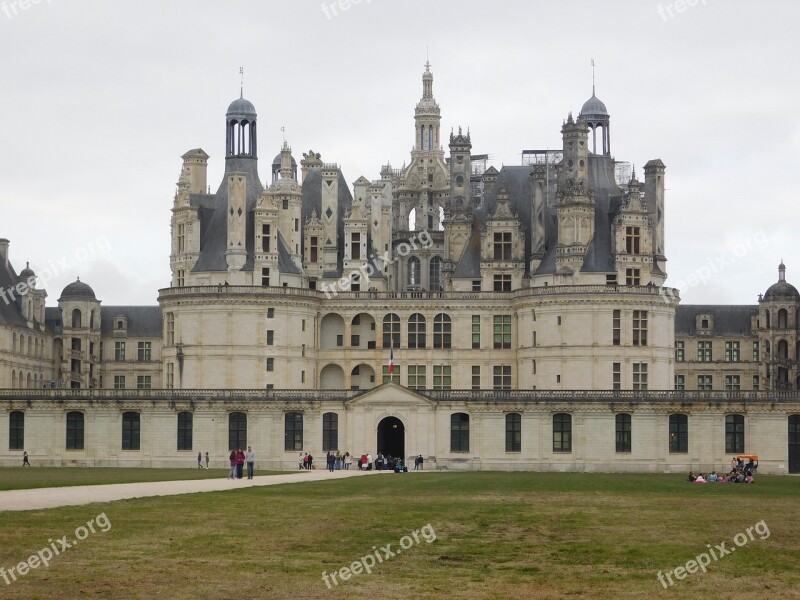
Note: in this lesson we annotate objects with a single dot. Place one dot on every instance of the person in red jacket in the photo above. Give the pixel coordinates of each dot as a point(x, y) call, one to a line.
point(239, 463)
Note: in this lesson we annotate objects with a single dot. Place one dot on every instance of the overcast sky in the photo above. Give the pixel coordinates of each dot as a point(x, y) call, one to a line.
point(98, 101)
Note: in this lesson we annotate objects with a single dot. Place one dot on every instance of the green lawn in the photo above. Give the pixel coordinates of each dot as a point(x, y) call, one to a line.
point(18, 478)
point(498, 535)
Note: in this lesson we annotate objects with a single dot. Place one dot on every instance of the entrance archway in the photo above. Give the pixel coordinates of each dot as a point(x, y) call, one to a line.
point(392, 437)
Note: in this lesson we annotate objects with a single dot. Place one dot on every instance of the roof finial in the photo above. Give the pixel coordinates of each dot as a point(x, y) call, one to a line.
point(241, 89)
point(592, 77)
point(427, 60)
point(283, 131)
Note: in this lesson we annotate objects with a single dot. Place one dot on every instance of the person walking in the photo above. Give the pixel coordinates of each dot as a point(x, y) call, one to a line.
point(348, 460)
point(301, 461)
point(25, 461)
point(369, 461)
point(310, 462)
point(250, 457)
point(232, 457)
point(199, 460)
point(206, 460)
point(239, 463)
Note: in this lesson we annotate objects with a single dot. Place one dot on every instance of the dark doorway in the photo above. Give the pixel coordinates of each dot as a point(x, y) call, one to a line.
point(794, 444)
point(392, 437)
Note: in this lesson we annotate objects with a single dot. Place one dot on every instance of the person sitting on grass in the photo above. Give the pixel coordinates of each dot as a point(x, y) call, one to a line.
point(691, 477)
point(723, 479)
point(713, 478)
point(700, 479)
point(749, 479)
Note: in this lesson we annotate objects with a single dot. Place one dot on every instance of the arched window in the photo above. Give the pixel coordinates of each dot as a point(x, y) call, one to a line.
point(293, 431)
point(29, 381)
point(768, 319)
point(562, 432)
point(734, 434)
point(783, 349)
point(330, 431)
point(185, 425)
point(131, 424)
point(459, 432)
point(91, 320)
point(413, 271)
point(391, 331)
point(21, 349)
point(435, 274)
point(513, 432)
point(783, 319)
point(16, 430)
point(442, 331)
point(14, 342)
point(74, 430)
point(30, 345)
point(13, 379)
point(237, 431)
point(416, 331)
point(76, 317)
point(623, 432)
point(678, 433)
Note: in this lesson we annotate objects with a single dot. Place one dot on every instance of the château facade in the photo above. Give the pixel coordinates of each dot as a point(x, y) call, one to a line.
point(525, 310)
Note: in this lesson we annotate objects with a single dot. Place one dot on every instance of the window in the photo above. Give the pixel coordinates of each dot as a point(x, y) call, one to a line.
point(476, 332)
point(632, 236)
point(616, 327)
point(271, 337)
point(513, 432)
point(314, 249)
point(170, 376)
point(16, 430)
point(74, 430)
point(639, 376)
point(459, 432)
point(185, 422)
point(704, 351)
point(756, 382)
point(616, 376)
point(435, 274)
point(413, 271)
point(119, 382)
point(734, 434)
point(265, 276)
point(293, 431)
point(441, 377)
point(756, 353)
point(76, 317)
point(562, 432)
point(180, 277)
point(502, 246)
point(330, 431)
point(285, 204)
point(632, 276)
point(143, 382)
point(501, 377)
point(181, 238)
point(395, 376)
point(266, 238)
point(678, 433)
point(270, 365)
point(705, 383)
point(416, 331)
point(476, 285)
point(416, 377)
point(355, 246)
point(130, 430)
point(680, 351)
point(144, 351)
point(237, 430)
point(502, 283)
point(476, 377)
point(119, 351)
point(170, 330)
point(623, 432)
point(680, 382)
point(731, 351)
point(732, 383)
point(502, 331)
point(640, 328)
point(270, 313)
point(442, 331)
point(391, 331)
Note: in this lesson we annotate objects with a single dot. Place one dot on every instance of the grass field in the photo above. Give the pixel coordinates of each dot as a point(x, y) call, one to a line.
point(498, 535)
point(17, 478)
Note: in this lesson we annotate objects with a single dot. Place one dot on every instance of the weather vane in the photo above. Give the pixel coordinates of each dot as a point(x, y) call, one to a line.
point(241, 89)
point(592, 77)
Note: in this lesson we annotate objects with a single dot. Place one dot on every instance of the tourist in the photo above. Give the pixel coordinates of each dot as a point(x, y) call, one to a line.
point(348, 460)
point(330, 460)
point(749, 478)
point(239, 463)
point(691, 477)
point(25, 461)
point(337, 463)
point(700, 479)
point(232, 474)
point(713, 478)
point(250, 457)
point(369, 461)
point(421, 462)
point(302, 460)
point(206, 460)
point(310, 462)
point(723, 479)
point(199, 460)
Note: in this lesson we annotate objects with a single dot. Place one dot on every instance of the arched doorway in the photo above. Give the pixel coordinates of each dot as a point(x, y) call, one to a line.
point(392, 437)
point(794, 444)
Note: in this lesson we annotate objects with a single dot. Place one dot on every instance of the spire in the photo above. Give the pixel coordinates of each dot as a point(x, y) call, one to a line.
point(241, 88)
point(782, 271)
point(427, 82)
point(593, 94)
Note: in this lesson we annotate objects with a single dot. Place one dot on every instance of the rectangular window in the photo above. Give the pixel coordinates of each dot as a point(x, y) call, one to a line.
point(513, 432)
point(704, 383)
point(476, 285)
point(756, 353)
point(501, 377)
point(623, 432)
point(731, 351)
point(616, 376)
point(704, 351)
point(502, 332)
point(640, 328)
point(562, 432)
point(314, 249)
point(441, 377)
point(266, 238)
point(16, 430)
point(265, 276)
point(639, 376)
point(632, 276)
point(181, 238)
point(355, 246)
point(119, 351)
point(678, 433)
point(143, 382)
point(131, 430)
point(502, 246)
point(416, 377)
point(119, 382)
point(476, 332)
point(632, 236)
point(732, 383)
point(680, 382)
point(476, 377)
point(270, 337)
point(734, 434)
point(616, 324)
point(395, 378)
point(180, 277)
point(270, 313)
point(185, 420)
point(75, 430)
point(756, 382)
point(170, 330)
point(170, 375)
point(680, 351)
point(502, 283)
point(270, 365)
point(144, 352)
point(459, 432)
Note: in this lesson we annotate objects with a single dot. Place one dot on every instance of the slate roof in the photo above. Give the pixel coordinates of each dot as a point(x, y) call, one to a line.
point(312, 201)
point(732, 319)
point(10, 313)
point(143, 321)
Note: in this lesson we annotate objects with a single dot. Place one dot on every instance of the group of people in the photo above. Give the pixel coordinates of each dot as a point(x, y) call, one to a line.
point(238, 459)
point(335, 461)
point(740, 472)
point(200, 460)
